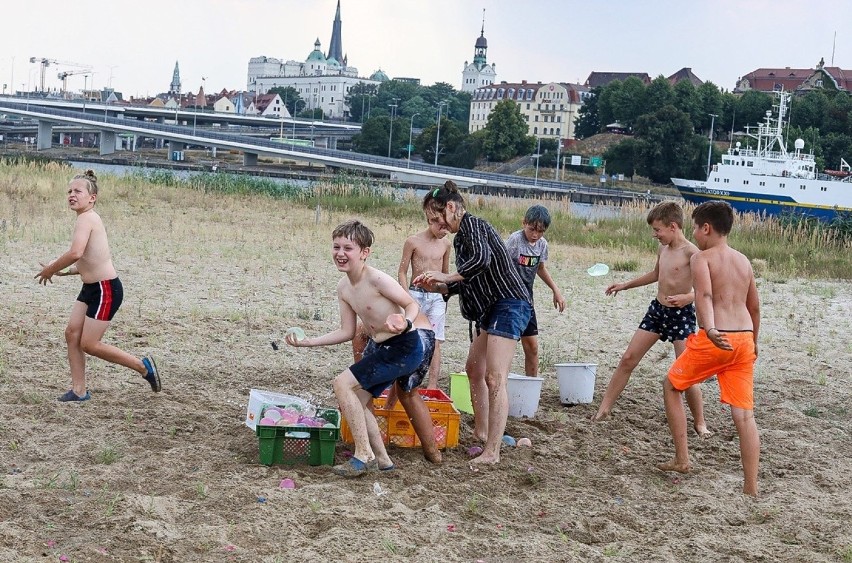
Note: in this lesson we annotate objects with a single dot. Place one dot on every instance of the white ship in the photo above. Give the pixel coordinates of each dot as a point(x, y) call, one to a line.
point(769, 180)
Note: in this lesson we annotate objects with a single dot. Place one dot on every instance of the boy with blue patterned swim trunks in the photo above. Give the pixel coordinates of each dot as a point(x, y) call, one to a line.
point(398, 353)
point(670, 316)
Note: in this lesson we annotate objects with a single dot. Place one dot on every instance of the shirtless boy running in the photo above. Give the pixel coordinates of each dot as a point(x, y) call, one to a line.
point(728, 310)
point(101, 296)
point(397, 354)
point(425, 251)
point(671, 316)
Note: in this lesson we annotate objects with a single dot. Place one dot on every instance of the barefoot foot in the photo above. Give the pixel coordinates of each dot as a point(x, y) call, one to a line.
point(674, 466)
point(485, 459)
point(433, 455)
point(702, 431)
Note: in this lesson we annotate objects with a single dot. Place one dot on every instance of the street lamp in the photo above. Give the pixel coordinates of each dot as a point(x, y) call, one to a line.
point(537, 157)
point(296, 111)
point(393, 107)
point(713, 117)
point(438, 135)
point(410, 130)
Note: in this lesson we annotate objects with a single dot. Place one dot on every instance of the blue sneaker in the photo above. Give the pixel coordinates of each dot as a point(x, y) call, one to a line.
point(153, 376)
point(71, 396)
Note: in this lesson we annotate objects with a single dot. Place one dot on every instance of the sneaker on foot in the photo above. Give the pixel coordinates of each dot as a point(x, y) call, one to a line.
point(153, 376)
point(71, 396)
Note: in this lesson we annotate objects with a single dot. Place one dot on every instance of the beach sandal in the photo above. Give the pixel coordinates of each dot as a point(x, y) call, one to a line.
point(390, 467)
point(70, 396)
point(153, 376)
point(355, 467)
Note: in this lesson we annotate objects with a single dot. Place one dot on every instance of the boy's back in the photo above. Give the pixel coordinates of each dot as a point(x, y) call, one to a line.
point(731, 285)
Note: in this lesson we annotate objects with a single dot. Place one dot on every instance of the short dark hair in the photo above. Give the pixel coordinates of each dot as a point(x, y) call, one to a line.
point(719, 214)
point(436, 199)
point(667, 212)
point(356, 231)
point(537, 215)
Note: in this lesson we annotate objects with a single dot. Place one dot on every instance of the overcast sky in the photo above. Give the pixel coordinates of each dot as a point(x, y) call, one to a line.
point(135, 44)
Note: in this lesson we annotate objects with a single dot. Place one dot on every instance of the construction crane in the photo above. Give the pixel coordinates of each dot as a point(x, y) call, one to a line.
point(45, 62)
point(63, 76)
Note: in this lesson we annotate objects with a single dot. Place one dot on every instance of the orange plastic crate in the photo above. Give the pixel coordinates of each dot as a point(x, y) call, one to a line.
point(396, 428)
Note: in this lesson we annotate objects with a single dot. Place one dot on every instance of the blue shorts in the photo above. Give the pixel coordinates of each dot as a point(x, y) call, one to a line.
point(671, 323)
point(507, 318)
point(404, 359)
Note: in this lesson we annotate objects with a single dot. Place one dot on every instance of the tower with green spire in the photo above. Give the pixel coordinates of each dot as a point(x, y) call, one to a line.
point(479, 72)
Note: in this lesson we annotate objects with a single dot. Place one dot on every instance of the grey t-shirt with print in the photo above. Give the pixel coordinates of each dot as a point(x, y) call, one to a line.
point(526, 256)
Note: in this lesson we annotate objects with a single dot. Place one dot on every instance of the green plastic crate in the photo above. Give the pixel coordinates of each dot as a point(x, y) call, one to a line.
point(286, 444)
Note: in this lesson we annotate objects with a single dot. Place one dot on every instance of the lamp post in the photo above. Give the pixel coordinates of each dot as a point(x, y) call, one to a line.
point(438, 135)
point(537, 157)
point(713, 117)
point(393, 107)
point(295, 111)
point(410, 130)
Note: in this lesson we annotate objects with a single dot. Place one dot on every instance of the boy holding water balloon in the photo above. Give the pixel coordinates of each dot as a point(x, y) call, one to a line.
point(398, 354)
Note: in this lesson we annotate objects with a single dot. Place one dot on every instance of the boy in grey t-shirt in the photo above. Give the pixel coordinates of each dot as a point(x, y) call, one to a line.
point(528, 250)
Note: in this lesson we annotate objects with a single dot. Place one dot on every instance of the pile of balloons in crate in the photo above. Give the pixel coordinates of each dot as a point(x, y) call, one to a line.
point(292, 415)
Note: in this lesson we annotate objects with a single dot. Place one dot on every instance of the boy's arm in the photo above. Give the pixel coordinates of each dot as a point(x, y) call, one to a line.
point(558, 300)
point(345, 333)
point(400, 297)
point(645, 279)
point(753, 306)
point(405, 262)
point(79, 241)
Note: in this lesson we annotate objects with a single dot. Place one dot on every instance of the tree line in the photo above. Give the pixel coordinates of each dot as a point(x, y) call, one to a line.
point(670, 125)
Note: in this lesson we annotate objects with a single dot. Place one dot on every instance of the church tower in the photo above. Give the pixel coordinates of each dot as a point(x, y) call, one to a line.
point(478, 73)
point(335, 46)
point(174, 88)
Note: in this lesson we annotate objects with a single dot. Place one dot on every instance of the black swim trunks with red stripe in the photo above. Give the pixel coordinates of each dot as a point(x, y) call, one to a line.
point(102, 299)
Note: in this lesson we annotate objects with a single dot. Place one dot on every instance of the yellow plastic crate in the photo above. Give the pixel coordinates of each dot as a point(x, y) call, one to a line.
point(396, 428)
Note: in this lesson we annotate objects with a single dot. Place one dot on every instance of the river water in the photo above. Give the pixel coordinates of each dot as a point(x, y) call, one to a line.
point(584, 210)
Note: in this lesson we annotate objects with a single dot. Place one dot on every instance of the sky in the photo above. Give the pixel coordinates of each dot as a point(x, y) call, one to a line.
point(133, 46)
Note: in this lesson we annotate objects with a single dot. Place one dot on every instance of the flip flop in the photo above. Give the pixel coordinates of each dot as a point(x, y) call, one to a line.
point(153, 375)
point(390, 467)
point(355, 467)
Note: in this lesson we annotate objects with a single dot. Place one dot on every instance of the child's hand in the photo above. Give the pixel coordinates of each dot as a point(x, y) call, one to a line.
point(558, 301)
point(614, 289)
point(679, 300)
point(428, 281)
point(719, 339)
point(396, 323)
point(42, 276)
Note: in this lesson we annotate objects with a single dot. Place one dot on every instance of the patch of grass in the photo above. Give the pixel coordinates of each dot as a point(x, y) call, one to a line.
point(812, 412)
point(111, 504)
point(846, 554)
point(611, 551)
point(73, 482)
point(47, 482)
point(128, 417)
point(625, 265)
point(822, 379)
point(201, 490)
point(108, 454)
point(31, 398)
point(390, 546)
point(14, 445)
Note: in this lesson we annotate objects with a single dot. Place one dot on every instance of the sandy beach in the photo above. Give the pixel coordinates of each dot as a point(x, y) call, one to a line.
point(210, 280)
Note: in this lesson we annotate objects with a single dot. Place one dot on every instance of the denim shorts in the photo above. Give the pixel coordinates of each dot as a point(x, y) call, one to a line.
point(403, 358)
point(507, 318)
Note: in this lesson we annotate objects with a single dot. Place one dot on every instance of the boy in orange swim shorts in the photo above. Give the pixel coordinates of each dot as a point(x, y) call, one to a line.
point(728, 308)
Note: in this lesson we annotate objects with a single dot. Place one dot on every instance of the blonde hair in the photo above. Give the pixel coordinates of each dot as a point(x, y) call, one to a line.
point(91, 181)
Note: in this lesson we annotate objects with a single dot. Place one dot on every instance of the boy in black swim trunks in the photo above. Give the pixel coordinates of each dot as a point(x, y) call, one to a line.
point(101, 296)
point(398, 353)
point(671, 316)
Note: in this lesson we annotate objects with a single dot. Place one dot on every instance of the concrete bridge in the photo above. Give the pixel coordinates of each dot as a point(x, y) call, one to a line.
point(416, 173)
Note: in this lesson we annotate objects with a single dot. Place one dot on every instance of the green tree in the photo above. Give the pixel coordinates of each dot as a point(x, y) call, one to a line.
point(289, 95)
point(709, 102)
point(621, 158)
point(666, 146)
point(659, 93)
point(606, 108)
point(836, 118)
point(506, 133)
point(469, 151)
point(751, 108)
point(451, 137)
point(809, 110)
point(360, 100)
point(373, 138)
point(630, 101)
point(686, 100)
point(587, 122)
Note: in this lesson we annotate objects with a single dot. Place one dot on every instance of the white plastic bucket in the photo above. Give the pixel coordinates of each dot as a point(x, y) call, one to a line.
point(524, 393)
point(576, 383)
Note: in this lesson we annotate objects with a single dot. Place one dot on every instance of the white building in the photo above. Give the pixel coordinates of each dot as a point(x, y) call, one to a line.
point(323, 81)
point(549, 109)
point(478, 73)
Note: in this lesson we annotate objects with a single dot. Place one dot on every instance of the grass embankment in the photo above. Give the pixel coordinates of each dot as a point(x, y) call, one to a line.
point(780, 248)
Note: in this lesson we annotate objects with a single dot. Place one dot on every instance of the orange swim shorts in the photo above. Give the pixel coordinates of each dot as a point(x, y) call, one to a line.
point(734, 368)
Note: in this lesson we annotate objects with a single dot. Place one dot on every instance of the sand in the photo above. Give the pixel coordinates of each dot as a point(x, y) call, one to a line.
point(210, 281)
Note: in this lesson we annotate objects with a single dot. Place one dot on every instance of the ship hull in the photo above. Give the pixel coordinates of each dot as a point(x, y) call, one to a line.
point(763, 204)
